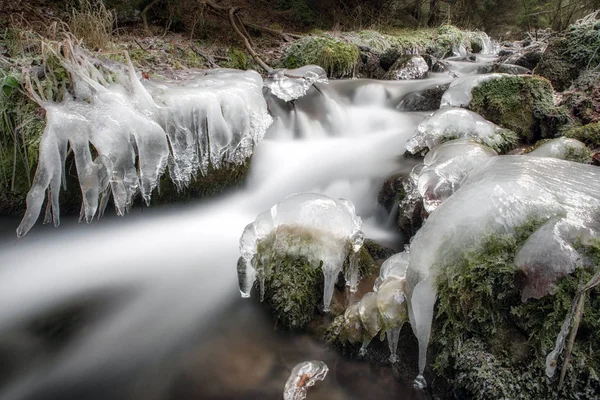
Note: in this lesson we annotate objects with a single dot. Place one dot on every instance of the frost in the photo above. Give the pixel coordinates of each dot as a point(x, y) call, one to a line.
point(123, 135)
point(502, 194)
point(452, 123)
point(414, 68)
point(459, 92)
point(445, 166)
point(331, 229)
point(563, 148)
point(291, 84)
point(303, 376)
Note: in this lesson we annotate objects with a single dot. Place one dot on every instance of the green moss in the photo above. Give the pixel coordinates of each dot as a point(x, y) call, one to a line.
point(588, 134)
point(491, 345)
point(238, 59)
point(523, 104)
point(293, 285)
point(338, 58)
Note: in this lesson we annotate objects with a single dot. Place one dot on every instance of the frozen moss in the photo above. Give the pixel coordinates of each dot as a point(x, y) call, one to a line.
point(588, 134)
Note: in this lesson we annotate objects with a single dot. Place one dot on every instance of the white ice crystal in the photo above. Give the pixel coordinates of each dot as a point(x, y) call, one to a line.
point(332, 225)
point(459, 92)
point(445, 166)
point(134, 131)
point(291, 84)
point(452, 123)
point(502, 194)
point(303, 376)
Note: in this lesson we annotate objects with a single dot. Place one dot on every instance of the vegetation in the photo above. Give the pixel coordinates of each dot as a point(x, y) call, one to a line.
point(491, 345)
point(523, 104)
point(336, 57)
point(588, 134)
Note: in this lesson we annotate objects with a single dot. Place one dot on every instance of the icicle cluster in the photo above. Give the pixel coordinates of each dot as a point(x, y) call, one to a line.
point(383, 310)
point(323, 230)
point(124, 134)
point(452, 123)
point(502, 194)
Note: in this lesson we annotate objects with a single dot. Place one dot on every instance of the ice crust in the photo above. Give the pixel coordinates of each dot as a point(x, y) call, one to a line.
point(332, 225)
point(561, 148)
point(459, 92)
point(502, 194)
point(452, 123)
point(291, 84)
point(136, 130)
point(445, 166)
point(415, 68)
point(303, 376)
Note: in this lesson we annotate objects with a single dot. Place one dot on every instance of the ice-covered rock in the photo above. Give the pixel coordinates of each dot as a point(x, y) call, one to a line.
point(453, 123)
point(394, 267)
point(565, 149)
point(459, 92)
point(291, 84)
point(445, 166)
point(408, 67)
point(504, 193)
point(320, 229)
point(123, 134)
point(303, 376)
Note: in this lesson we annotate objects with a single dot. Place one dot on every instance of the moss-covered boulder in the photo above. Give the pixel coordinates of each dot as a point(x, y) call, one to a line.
point(489, 344)
point(566, 57)
point(336, 57)
point(588, 134)
point(523, 104)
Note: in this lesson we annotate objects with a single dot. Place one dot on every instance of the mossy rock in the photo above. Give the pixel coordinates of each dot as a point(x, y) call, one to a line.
point(566, 57)
point(588, 134)
point(378, 251)
point(335, 56)
point(489, 344)
point(523, 104)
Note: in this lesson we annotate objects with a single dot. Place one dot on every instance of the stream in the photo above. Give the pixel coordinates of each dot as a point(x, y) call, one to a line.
point(147, 306)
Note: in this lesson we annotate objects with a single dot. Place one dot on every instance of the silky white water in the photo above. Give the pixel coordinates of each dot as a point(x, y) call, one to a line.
point(171, 268)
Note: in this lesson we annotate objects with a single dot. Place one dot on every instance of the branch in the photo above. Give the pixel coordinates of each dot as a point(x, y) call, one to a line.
point(259, 61)
point(143, 15)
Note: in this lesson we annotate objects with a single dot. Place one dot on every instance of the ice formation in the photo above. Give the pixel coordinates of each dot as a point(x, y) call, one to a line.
point(452, 123)
point(445, 166)
point(415, 68)
point(303, 376)
point(459, 92)
point(124, 134)
point(323, 230)
point(563, 148)
point(383, 310)
point(502, 194)
point(291, 84)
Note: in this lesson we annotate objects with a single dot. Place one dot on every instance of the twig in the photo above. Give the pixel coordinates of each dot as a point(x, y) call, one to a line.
point(259, 61)
point(208, 58)
point(576, 321)
point(139, 44)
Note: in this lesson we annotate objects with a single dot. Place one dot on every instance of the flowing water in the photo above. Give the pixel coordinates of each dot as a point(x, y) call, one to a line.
point(147, 306)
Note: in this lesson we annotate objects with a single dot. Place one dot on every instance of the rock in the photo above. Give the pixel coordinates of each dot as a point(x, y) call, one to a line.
point(555, 66)
point(530, 59)
point(440, 66)
point(563, 148)
point(391, 192)
point(407, 67)
point(378, 251)
point(426, 100)
point(523, 104)
point(504, 53)
point(389, 57)
point(584, 98)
